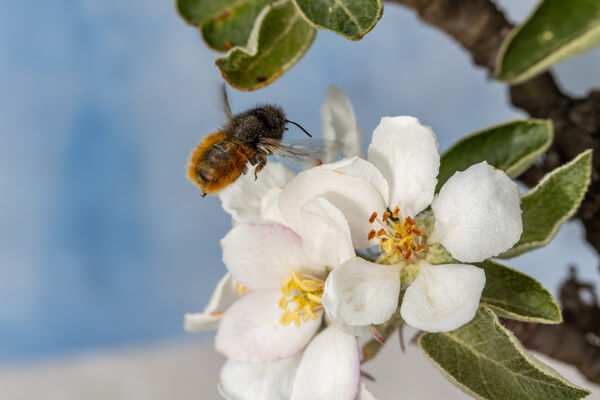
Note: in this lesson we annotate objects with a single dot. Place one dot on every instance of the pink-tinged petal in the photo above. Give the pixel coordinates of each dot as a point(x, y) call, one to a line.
point(253, 381)
point(355, 197)
point(477, 213)
point(364, 394)
point(224, 295)
point(406, 153)
point(250, 330)
point(340, 126)
point(360, 292)
point(325, 235)
point(330, 368)
point(262, 256)
point(443, 297)
point(243, 199)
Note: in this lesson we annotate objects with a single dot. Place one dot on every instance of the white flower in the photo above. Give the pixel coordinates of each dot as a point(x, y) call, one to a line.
point(264, 332)
point(477, 216)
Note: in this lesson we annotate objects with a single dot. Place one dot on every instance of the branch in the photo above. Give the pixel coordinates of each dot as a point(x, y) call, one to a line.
point(480, 27)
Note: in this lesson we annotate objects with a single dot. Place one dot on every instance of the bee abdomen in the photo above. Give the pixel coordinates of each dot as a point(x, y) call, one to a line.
point(217, 162)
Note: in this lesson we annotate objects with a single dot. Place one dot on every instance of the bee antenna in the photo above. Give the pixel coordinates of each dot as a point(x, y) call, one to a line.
point(299, 126)
point(225, 101)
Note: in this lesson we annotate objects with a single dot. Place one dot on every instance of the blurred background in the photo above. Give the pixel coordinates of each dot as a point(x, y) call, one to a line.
point(104, 244)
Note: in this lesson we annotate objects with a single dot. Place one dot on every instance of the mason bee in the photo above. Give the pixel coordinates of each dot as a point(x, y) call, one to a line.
point(249, 136)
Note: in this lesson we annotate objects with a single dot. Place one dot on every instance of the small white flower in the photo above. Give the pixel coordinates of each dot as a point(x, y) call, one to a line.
point(477, 216)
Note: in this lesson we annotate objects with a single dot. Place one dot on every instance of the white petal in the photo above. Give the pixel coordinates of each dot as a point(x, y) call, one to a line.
point(356, 197)
point(443, 297)
point(330, 368)
point(361, 168)
point(325, 234)
point(250, 330)
point(269, 208)
point(340, 126)
point(252, 381)
point(406, 153)
point(224, 295)
point(364, 394)
point(244, 197)
point(477, 213)
point(360, 292)
point(262, 256)
point(360, 331)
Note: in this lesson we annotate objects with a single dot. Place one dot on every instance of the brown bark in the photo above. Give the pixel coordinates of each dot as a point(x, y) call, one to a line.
point(480, 27)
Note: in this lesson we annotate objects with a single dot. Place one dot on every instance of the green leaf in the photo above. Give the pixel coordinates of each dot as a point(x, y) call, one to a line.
point(349, 18)
point(280, 37)
point(512, 147)
point(557, 30)
point(485, 360)
point(513, 294)
point(224, 23)
point(547, 206)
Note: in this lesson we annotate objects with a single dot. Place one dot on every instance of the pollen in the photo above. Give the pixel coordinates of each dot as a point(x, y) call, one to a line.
point(397, 235)
point(240, 289)
point(301, 299)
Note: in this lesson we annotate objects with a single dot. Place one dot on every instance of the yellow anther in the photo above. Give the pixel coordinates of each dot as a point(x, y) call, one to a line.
point(313, 298)
point(285, 318)
point(311, 286)
point(296, 277)
point(301, 298)
point(286, 288)
point(308, 312)
point(283, 303)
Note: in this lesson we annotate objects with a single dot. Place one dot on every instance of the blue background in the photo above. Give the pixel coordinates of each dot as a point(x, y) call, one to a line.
point(103, 242)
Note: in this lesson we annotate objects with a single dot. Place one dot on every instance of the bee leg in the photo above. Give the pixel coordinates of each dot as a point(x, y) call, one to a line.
point(262, 161)
point(203, 195)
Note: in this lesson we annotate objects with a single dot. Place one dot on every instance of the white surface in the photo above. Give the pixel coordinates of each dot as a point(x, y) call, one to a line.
point(189, 370)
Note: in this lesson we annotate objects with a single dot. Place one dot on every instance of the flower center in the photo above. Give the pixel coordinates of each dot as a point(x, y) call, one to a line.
point(395, 236)
point(303, 292)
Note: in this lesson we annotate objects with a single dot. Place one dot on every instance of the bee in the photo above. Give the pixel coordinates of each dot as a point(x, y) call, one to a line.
point(248, 137)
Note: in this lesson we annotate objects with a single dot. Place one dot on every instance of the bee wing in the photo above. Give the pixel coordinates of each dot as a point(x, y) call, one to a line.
point(306, 152)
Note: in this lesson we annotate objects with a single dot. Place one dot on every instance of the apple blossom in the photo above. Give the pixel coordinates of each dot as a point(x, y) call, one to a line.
point(475, 216)
point(264, 332)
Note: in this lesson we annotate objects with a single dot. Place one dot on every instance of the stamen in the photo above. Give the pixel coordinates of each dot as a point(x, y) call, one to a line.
point(304, 292)
point(373, 216)
point(397, 235)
